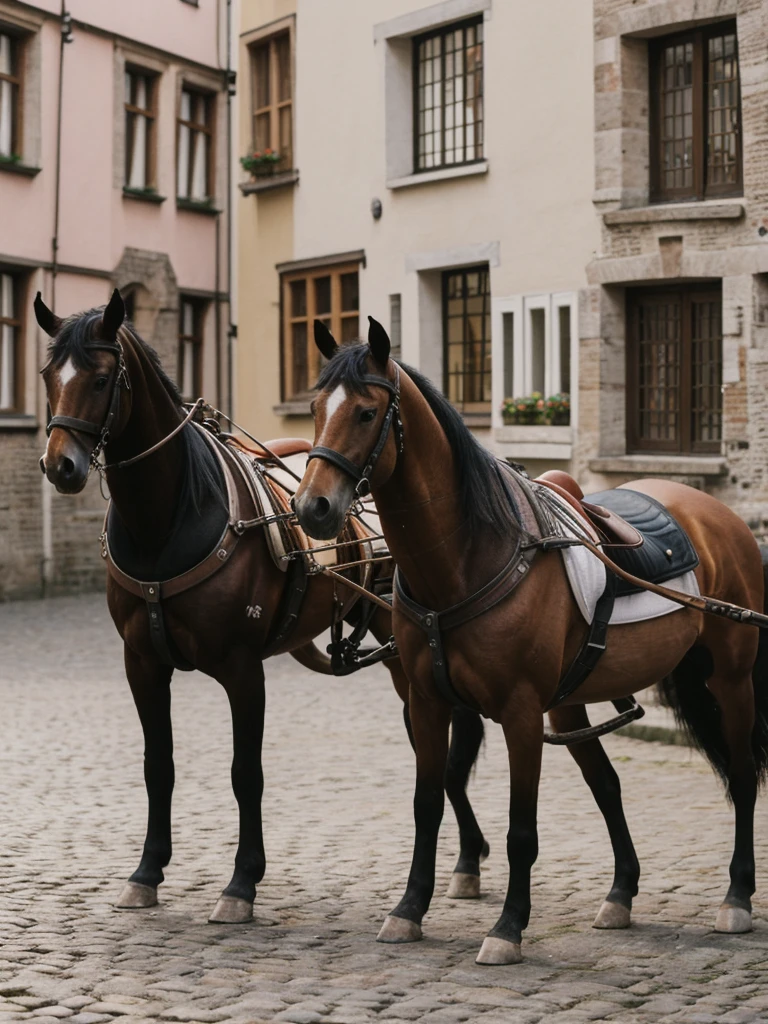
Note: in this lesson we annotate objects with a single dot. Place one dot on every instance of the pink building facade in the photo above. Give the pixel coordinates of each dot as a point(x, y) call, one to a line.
point(132, 190)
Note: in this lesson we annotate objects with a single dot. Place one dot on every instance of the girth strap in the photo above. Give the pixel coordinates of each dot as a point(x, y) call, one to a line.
point(161, 641)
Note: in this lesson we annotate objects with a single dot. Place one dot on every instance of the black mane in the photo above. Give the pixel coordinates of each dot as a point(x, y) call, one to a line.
point(202, 482)
point(484, 497)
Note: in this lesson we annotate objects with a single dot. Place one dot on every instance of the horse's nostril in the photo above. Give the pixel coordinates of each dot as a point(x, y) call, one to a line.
point(42, 464)
point(321, 507)
point(66, 467)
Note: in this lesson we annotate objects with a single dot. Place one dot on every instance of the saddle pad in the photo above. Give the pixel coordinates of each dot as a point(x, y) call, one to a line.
point(666, 553)
point(586, 575)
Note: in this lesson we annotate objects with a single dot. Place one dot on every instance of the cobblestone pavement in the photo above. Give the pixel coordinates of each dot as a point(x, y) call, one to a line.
point(337, 812)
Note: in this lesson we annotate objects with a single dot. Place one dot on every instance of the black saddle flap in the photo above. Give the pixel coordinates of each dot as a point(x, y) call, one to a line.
point(667, 551)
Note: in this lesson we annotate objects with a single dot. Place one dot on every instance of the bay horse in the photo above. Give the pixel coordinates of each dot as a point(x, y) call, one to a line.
point(447, 516)
point(107, 390)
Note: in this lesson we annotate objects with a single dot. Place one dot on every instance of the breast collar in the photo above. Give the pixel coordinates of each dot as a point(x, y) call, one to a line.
point(362, 477)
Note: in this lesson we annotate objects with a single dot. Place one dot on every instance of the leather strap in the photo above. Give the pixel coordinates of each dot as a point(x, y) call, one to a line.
point(161, 641)
point(593, 647)
point(70, 423)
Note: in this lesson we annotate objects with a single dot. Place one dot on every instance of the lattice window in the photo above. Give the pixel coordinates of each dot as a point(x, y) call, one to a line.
point(674, 370)
point(696, 118)
point(467, 338)
point(448, 100)
point(140, 116)
point(272, 84)
point(191, 328)
point(195, 145)
point(330, 294)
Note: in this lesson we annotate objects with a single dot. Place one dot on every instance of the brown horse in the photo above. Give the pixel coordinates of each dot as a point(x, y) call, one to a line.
point(107, 391)
point(447, 516)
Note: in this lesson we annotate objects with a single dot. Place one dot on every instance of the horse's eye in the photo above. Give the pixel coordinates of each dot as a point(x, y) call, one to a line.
point(367, 415)
point(101, 383)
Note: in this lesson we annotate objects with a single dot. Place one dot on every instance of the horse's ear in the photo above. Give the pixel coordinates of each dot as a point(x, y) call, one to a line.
point(49, 322)
point(113, 316)
point(378, 339)
point(324, 340)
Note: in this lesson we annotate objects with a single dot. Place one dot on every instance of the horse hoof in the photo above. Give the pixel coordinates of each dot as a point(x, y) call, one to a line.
point(612, 915)
point(231, 910)
point(733, 920)
point(463, 886)
point(136, 896)
point(494, 952)
point(399, 929)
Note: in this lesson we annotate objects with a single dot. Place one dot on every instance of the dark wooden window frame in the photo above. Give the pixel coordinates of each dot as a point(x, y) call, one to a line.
point(334, 319)
point(417, 41)
point(20, 287)
point(149, 113)
point(208, 128)
point(684, 444)
point(17, 83)
point(700, 189)
point(482, 268)
point(197, 337)
point(275, 106)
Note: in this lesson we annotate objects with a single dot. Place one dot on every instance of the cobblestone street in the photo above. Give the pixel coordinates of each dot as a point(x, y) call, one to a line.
point(338, 828)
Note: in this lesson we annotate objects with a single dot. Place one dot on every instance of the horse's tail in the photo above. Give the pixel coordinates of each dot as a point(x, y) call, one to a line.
point(698, 713)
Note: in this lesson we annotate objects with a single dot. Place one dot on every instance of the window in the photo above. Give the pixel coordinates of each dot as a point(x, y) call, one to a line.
point(192, 315)
point(330, 294)
point(696, 117)
point(467, 338)
point(448, 96)
point(272, 84)
point(195, 152)
point(674, 370)
point(10, 90)
point(140, 143)
point(11, 305)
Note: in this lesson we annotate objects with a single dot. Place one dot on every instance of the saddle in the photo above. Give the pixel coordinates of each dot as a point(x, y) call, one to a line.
point(645, 538)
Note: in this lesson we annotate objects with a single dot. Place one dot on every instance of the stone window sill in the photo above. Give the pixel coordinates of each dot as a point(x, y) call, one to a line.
point(481, 420)
point(661, 465)
point(534, 442)
point(17, 421)
point(204, 206)
point(269, 182)
point(293, 407)
point(710, 209)
point(22, 169)
point(442, 174)
point(143, 195)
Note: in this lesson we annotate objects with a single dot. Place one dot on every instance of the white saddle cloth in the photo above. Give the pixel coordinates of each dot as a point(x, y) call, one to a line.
point(586, 575)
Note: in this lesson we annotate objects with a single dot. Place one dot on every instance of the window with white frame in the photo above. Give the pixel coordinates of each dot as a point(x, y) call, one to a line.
point(536, 337)
point(140, 117)
point(11, 306)
point(10, 89)
point(195, 146)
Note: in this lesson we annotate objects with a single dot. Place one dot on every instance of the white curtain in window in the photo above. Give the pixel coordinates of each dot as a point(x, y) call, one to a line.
point(137, 177)
point(6, 98)
point(182, 187)
point(7, 344)
point(199, 169)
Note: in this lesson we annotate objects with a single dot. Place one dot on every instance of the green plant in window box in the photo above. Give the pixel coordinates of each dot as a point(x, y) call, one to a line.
point(261, 162)
point(559, 410)
point(10, 158)
point(525, 411)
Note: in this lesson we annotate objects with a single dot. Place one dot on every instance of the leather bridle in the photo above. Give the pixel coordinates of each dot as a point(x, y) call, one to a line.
point(102, 430)
point(362, 477)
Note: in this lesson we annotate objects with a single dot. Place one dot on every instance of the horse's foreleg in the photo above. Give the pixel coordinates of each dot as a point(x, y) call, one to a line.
point(466, 736)
point(150, 686)
point(243, 681)
point(600, 775)
point(429, 721)
point(523, 732)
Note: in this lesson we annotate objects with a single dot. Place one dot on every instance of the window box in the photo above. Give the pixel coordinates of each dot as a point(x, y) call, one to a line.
point(16, 167)
point(269, 183)
point(205, 206)
point(146, 195)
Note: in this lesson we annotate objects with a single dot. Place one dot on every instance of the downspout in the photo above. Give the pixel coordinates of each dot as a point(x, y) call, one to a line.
point(231, 327)
point(46, 566)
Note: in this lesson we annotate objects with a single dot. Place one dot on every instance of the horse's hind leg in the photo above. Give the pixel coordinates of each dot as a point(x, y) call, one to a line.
point(601, 777)
point(150, 686)
point(466, 737)
point(243, 681)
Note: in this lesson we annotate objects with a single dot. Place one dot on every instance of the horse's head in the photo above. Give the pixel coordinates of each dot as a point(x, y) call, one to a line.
point(357, 429)
point(83, 380)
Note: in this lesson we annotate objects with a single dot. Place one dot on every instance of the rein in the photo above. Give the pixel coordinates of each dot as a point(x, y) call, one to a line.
point(362, 477)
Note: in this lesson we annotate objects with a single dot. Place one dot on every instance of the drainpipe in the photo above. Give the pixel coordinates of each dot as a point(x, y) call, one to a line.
point(46, 504)
point(232, 327)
